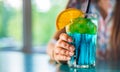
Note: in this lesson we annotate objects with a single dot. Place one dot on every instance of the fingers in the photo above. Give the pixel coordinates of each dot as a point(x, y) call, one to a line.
point(61, 54)
point(62, 58)
point(62, 51)
point(65, 37)
point(65, 45)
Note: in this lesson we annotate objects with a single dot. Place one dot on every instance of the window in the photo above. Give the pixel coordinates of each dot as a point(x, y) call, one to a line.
point(16, 18)
point(11, 24)
point(44, 14)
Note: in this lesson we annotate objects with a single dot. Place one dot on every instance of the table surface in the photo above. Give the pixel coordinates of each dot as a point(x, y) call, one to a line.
point(21, 62)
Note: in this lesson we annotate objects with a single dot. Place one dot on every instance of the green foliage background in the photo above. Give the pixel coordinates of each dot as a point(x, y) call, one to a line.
point(43, 23)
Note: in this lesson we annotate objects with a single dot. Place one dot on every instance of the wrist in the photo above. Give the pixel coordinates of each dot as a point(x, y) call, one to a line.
point(52, 44)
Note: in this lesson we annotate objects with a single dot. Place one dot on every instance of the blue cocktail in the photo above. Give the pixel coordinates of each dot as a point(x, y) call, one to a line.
point(84, 34)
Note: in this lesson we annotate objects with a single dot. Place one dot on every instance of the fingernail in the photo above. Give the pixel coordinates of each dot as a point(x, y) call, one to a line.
point(68, 58)
point(71, 54)
point(72, 48)
point(70, 40)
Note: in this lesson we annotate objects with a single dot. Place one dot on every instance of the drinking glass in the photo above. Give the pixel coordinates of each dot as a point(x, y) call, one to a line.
point(84, 34)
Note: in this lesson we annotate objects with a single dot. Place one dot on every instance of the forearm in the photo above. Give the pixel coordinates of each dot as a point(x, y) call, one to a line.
point(50, 50)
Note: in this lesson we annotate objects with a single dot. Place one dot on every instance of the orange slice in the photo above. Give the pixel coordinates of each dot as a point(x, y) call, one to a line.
point(66, 16)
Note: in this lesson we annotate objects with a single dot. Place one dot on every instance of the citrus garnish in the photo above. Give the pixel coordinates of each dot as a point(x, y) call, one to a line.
point(66, 16)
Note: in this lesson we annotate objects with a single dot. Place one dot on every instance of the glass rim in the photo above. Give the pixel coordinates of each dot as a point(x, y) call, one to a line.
point(91, 15)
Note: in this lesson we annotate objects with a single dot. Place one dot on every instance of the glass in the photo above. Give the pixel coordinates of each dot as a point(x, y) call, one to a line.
point(84, 34)
point(83, 70)
point(11, 24)
point(44, 14)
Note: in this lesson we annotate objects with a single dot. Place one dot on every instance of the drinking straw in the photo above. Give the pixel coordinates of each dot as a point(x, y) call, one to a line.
point(88, 7)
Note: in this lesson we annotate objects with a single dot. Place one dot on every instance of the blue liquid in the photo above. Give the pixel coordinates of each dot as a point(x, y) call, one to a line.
point(85, 49)
point(82, 70)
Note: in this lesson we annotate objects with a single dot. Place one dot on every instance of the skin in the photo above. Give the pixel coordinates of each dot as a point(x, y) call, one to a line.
point(61, 51)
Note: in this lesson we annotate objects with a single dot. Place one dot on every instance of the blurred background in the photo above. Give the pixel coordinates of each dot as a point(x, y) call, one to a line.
point(28, 24)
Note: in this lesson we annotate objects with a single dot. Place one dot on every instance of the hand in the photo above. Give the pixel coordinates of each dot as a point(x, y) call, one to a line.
point(63, 50)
